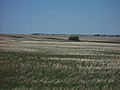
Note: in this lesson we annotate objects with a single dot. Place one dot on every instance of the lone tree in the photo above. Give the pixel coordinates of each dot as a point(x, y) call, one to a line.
point(74, 38)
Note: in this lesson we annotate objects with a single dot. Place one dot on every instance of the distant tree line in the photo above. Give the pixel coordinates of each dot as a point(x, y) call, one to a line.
point(38, 34)
point(46, 34)
point(107, 35)
point(78, 34)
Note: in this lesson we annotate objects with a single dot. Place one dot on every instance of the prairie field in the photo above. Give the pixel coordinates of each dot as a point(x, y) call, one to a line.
point(51, 62)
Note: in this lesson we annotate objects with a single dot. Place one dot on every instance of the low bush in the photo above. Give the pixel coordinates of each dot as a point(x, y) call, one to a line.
point(74, 38)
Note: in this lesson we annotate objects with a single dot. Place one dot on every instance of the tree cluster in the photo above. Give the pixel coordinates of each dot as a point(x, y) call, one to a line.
point(74, 38)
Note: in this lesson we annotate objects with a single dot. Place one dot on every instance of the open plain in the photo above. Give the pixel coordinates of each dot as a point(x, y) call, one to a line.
point(51, 62)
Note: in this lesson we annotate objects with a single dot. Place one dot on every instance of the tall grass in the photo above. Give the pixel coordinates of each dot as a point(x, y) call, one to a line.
point(45, 71)
point(45, 65)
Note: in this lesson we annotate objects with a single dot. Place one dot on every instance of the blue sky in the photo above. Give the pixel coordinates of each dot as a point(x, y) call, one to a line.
point(60, 16)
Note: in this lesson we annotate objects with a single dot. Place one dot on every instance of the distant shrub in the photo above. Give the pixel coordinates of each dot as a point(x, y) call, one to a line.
point(74, 38)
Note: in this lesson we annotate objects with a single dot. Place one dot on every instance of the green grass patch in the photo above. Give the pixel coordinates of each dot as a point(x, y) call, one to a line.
point(31, 70)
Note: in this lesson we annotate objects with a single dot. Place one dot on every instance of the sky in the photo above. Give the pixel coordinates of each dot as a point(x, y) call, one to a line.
point(60, 16)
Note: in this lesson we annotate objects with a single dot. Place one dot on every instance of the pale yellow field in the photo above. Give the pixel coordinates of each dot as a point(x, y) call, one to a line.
point(54, 63)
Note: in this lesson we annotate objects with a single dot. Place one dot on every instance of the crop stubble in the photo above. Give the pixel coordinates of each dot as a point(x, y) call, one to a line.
point(43, 65)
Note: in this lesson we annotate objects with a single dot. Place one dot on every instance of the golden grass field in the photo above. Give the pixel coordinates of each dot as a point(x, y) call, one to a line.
point(51, 62)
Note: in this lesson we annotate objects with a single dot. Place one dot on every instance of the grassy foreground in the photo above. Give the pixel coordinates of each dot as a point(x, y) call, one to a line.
point(38, 65)
point(21, 70)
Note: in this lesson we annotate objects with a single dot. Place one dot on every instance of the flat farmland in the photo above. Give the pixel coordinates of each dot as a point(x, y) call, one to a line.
point(51, 62)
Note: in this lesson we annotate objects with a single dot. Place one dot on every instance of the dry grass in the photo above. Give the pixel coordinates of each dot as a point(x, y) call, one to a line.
point(29, 64)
